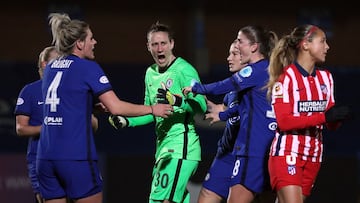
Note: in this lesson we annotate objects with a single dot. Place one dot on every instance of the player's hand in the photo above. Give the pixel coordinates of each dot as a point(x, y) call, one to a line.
point(118, 121)
point(213, 111)
point(213, 117)
point(187, 90)
point(337, 113)
point(100, 108)
point(164, 96)
point(162, 110)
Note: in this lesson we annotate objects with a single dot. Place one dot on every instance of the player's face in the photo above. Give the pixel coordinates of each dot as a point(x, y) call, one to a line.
point(247, 49)
point(234, 59)
point(89, 45)
point(318, 47)
point(160, 47)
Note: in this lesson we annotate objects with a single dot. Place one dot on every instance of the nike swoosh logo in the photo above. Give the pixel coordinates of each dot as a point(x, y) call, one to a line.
point(39, 102)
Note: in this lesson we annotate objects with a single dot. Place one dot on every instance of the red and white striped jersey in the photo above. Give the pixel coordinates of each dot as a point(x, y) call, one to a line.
point(299, 100)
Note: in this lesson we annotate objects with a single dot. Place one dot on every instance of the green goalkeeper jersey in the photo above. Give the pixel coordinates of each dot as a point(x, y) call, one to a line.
point(176, 135)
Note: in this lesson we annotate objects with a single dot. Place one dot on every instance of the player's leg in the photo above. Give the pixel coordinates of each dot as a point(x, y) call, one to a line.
point(208, 196)
point(287, 178)
point(215, 188)
point(170, 179)
point(249, 178)
point(83, 180)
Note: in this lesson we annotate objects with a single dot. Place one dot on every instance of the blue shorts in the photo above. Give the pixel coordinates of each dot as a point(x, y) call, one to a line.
point(72, 179)
point(31, 165)
point(218, 176)
point(252, 173)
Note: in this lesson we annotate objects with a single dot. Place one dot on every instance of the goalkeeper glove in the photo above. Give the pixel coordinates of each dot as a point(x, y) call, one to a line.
point(118, 121)
point(337, 113)
point(164, 96)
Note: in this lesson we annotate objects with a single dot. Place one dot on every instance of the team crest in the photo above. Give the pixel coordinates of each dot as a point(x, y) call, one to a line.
point(291, 169)
point(169, 83)
point(324, 89)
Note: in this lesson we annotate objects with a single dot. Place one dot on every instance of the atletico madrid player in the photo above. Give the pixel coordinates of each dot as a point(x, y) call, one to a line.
point(303, 100)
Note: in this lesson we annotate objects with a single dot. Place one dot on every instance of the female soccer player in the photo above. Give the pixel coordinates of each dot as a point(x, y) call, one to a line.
point(249, 176)
point(67, 157)
point(303, 100)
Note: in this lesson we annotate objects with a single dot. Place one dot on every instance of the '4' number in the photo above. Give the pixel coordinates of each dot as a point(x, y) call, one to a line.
point(51, 95)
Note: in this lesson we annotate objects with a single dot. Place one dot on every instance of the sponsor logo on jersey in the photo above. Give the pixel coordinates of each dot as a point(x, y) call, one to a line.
point(270, 114)
point(49, 120)
point(19, 101)
point(312, 106)
point(234, 120)
point(40, 102)
point(272, 126)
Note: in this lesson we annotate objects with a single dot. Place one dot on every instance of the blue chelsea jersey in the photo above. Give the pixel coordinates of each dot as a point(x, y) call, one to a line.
point(226, 142)
point(69, 86)
point(30, 103)
point(257, 119)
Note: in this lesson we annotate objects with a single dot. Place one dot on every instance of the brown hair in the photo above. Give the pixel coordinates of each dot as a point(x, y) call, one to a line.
point(285, 52)
point(159, 27)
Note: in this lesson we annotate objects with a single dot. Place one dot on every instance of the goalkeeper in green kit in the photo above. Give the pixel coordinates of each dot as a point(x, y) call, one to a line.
point(178, 150)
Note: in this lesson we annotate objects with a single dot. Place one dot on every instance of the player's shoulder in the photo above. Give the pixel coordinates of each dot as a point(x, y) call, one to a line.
point(184, 65)
point(33, 85)
point(290, 68)
point(257, 68)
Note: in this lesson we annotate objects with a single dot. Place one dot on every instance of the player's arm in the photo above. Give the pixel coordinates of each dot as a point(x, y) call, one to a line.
point(215, 88)
point(287, 121)
point(192, 102)
point(239, 81)
point(24, 129)
point(118, 122)
point(284, 112)
point(94, 122)
point(118, 107)
point(229, 113)
point(213, 111)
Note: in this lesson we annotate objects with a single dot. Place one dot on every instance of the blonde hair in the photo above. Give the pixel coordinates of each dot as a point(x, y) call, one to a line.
point(66, 32)
point(44, 56)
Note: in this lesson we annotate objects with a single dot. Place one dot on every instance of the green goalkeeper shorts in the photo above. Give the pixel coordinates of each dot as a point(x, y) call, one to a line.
point(170, 178)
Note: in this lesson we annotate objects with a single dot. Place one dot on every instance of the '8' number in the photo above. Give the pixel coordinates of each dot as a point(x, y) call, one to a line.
point(236, 167)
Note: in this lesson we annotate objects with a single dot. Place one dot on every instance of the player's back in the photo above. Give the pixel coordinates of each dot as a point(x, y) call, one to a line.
point(69, 85)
